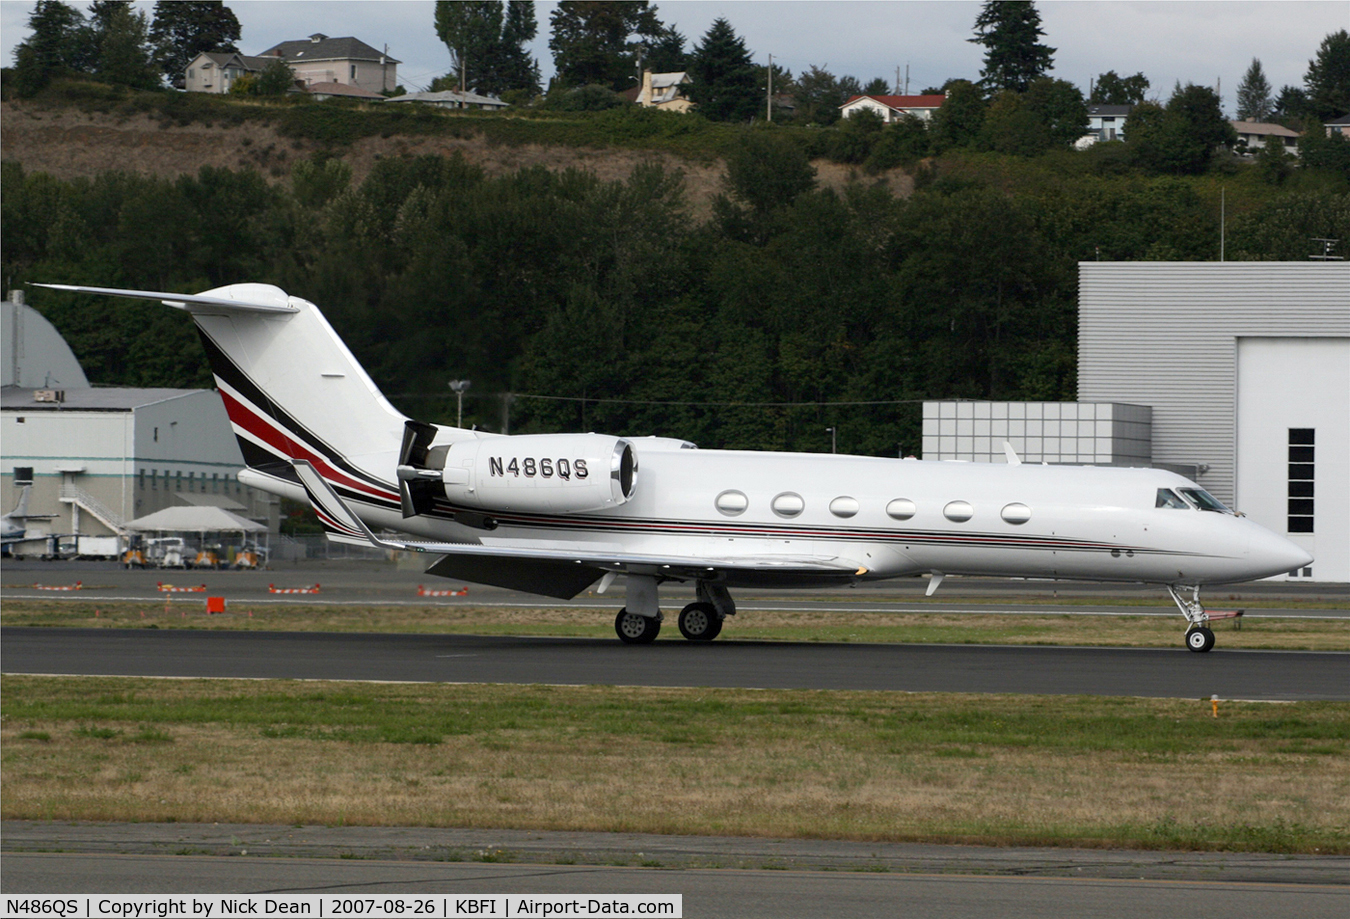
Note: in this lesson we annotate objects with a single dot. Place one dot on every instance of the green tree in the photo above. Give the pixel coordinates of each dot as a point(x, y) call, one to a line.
point(1291, 105)
point(1010, 31)
point(818, 96)
point(1272, 161)
point(1060, 107)
point(595, 42)
point(124, 55)
point(470, 29)
point(665, 53)
point(1328, 78)
point(1180, 139)
point(45, 54)
point(276, 79)
point(1322, 151)
point(903, 143)
point(767, 171)
point(183, 29)
point(725, 86)
point(877, 86)
point(960, 118)
point(1111, 89)
point(1253, 95)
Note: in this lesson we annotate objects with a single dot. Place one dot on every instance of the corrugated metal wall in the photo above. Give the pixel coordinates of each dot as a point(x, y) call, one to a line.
point(1165, 334)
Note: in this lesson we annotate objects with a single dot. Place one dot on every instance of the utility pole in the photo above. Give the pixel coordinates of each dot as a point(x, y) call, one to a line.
point(834, 439)
point(897, 80)
point(906, 79)
point(458, 387)
point(768, 102)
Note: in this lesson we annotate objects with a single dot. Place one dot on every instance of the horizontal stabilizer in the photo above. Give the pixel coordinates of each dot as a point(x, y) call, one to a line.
point(266, 299)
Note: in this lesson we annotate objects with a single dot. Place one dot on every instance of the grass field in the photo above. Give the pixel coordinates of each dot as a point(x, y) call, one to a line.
point(1025, 770)
point(948, 628)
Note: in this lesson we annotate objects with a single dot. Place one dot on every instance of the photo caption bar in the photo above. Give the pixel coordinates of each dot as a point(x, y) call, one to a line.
point(323, 906)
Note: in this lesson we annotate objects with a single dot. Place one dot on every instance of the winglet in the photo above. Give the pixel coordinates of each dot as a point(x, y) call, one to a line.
point(340, 522)
point(1011, 454)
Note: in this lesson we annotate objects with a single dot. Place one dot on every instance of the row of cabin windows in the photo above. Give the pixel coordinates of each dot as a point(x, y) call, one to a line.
point(789, 504)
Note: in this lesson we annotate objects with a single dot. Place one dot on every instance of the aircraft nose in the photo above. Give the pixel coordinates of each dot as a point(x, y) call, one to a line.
point(1273, 552)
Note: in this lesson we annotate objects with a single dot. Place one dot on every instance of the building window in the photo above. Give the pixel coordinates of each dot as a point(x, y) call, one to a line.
point(353, 76)
point(1301, 468)
point(23, 475)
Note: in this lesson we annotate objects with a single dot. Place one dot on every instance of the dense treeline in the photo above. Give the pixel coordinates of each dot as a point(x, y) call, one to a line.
point(558, 284)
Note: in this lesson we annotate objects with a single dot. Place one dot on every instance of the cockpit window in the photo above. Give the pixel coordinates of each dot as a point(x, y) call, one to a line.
point(1204, 500)
point(1168, 498)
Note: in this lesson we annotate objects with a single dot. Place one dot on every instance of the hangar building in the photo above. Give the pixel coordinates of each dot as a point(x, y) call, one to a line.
point(98, 457)
point(1234, 373)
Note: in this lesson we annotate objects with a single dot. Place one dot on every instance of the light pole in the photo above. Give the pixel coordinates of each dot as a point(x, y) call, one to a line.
point(458, 387)
point(834, 439)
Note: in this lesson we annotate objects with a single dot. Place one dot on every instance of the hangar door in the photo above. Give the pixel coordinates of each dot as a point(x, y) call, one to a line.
point(1293, 445)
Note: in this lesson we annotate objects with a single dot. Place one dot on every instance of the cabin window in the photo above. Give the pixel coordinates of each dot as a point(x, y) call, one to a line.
point(958, 511)
point(901, 509)
point(788, 504)
point(1168, 498)
point(1204, 500)
point(1016, 513)
point(732, 503)
point(1302, 444)
point(844, 506)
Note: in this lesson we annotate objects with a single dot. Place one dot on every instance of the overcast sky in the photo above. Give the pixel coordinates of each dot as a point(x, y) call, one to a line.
point(1192, 41)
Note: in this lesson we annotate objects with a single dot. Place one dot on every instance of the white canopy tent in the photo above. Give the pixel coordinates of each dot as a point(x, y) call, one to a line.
point(199, 519)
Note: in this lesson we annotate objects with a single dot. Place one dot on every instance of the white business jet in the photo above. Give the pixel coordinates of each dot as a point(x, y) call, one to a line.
point(14, 525)
point(552, 514)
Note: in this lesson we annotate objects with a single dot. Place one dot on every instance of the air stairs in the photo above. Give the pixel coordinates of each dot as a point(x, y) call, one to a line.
point(82, 500)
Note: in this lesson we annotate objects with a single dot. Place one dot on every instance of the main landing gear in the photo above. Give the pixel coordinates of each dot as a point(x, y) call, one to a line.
point(1199, 636)
point(639, 622)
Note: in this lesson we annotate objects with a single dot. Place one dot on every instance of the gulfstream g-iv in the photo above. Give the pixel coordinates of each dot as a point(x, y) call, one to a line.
point(553, 514)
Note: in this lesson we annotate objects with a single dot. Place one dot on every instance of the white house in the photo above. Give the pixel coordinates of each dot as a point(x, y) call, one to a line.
point(664, 91)
point(1338, 126)
point(1108, 121)
point(1256, 134)
point(893, 108)
point(320, 59)
point(216, 71)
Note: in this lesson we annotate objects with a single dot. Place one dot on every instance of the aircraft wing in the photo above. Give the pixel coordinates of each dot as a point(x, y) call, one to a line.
point(559, 572)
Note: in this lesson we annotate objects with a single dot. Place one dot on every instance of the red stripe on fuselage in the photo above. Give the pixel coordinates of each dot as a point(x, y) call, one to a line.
point(252, 422)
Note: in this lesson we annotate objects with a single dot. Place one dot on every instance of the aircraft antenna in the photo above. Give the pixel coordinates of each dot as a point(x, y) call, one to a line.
point(1327, 246)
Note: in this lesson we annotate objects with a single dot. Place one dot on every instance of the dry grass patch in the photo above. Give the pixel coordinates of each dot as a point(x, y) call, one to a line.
point(776, 625)
point(855, 765)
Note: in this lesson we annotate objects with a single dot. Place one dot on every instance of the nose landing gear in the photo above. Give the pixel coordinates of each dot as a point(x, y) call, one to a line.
point(1199, 637)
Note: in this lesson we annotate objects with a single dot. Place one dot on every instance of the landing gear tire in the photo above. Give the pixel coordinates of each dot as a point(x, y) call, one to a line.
point(1200, 639)
point(700, 622)
point(636, 630)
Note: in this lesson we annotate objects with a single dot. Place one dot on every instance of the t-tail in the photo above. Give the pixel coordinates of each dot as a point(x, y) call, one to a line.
point(292, 389)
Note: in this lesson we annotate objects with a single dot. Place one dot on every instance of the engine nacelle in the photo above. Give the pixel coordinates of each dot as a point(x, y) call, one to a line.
point(541, 473)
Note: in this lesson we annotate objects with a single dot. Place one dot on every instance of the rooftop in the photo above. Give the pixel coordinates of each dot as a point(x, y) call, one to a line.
point(93, 399)
point(319, 47)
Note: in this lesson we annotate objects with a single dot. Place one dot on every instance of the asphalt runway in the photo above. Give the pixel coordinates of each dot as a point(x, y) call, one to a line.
point(707, 893)
point(364, 582)
point(1230, 674)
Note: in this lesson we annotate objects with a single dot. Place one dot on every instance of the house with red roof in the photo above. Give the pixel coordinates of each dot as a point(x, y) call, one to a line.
point(893, 108)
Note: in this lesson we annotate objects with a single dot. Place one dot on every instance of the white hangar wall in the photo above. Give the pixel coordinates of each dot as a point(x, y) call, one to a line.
point(1233, 357)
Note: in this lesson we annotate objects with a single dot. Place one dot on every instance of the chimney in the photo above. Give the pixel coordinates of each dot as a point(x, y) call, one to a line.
point(645, 97)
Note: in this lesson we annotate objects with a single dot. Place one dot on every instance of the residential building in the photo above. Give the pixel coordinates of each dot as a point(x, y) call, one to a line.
point(893, 108)
point(453, 99)
point(1107, 122)
point(216, 71)
point(1252, 135)
point(1338, 126)
point(322, 91)
point(350, 61)
point(664, 91)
